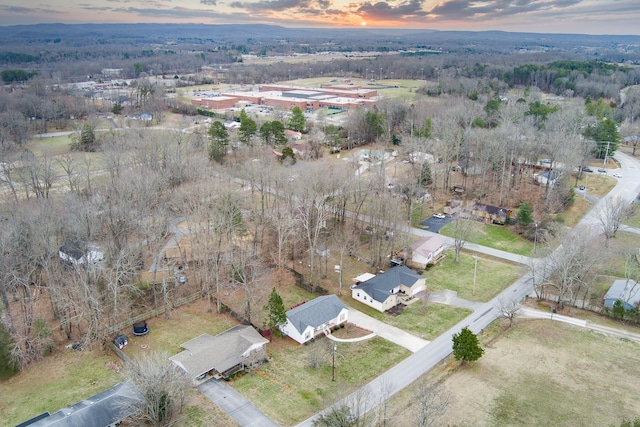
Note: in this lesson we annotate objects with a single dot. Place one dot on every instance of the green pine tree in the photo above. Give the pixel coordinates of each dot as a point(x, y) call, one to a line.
point(276, 316)
point(525, 213)
point(297, 122)
point(466, 346)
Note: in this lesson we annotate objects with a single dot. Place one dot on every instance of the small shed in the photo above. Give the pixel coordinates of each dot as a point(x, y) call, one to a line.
point(626, 291)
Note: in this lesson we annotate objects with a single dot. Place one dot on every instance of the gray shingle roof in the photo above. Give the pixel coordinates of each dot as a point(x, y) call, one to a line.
point(221, 352)
point(379, 287)
point(316, 312)
point(625, 290)
point(103, 409)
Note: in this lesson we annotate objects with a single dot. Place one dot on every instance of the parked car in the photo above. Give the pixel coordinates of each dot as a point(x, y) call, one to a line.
point(587, 169)
point(617, 175)
point(439, 215)
point(582, 188)
point(602, 170)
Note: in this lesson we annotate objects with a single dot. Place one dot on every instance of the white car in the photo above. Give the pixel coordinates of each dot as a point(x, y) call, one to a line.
point(439, 215)
point(617, 175)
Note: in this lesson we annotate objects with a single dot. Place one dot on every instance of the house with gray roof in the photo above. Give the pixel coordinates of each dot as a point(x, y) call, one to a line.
point(388, 289)
point(308, 320)
point(222, 355)
point(626, 291)
point(105, 409)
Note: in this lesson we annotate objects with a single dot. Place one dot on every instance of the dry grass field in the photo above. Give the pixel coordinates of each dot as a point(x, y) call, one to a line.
point(538, 373)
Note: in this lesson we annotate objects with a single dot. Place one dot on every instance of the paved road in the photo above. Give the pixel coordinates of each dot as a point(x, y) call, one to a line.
point(234, 404)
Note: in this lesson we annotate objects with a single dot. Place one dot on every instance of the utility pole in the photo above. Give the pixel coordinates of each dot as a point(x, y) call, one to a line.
point(535, 239)
point(475, 270)
point(333, 362)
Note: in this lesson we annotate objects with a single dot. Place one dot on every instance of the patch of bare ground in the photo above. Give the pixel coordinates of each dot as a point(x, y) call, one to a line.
point(544, 373)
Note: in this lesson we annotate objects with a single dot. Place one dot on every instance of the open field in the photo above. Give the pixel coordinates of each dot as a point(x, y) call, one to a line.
point(545, 373)
point(538, 373)
point(289, 390)
point(492, 276)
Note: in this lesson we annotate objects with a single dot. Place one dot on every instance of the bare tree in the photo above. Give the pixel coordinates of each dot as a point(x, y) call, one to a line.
point(610, 213)
point(462, 228)
point(163, 388)
point(431, 402)
point(510, 309)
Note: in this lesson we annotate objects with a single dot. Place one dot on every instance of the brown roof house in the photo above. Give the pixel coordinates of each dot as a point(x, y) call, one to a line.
point(222, 355)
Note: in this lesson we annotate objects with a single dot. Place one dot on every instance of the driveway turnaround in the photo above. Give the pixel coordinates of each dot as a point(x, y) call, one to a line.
point(388, 332)
point(236, 406)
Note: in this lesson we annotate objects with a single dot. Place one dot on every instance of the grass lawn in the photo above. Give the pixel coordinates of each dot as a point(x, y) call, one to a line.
point(495, 236)
point(289, 390)
point(58, 381)
point(55, 145)
point(426, 321)
point(545, 373)
point(634, 217)
point(492, 276)
point(184, 324)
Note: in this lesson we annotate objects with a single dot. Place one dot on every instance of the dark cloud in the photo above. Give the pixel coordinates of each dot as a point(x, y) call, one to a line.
point(272, 5)
point(388, 11)
point(209, 2)
point(460, 10)
point(27, 10)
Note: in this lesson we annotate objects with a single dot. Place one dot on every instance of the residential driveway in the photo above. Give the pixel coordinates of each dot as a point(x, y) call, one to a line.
point(236, 406)
point(434, 224)
point(450, 297)
point(388, 332)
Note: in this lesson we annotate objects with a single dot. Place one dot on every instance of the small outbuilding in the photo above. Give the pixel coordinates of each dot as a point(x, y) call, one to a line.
point(77, 253)
point(626, 291)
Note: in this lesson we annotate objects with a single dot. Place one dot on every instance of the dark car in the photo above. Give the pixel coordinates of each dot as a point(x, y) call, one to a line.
point(121, 341)
point(587, 169)
point(602, 170)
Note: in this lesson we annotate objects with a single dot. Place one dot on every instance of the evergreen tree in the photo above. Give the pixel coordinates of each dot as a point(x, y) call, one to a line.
point(525, 213)
point(425, 175)
point(277, 315)
point(219, 140)
point(466, 346)
point(248, 128)
point(287, 153)
point(266, 132)
point(297, 122)
point(277, 130)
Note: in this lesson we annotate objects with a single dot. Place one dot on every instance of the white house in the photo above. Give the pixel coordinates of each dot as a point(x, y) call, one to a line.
point(424, 251)
point(387, 290)
point(315, 317)
point(79, 253)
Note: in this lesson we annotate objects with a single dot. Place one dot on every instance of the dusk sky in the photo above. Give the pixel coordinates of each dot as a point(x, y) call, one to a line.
point(541, 16)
